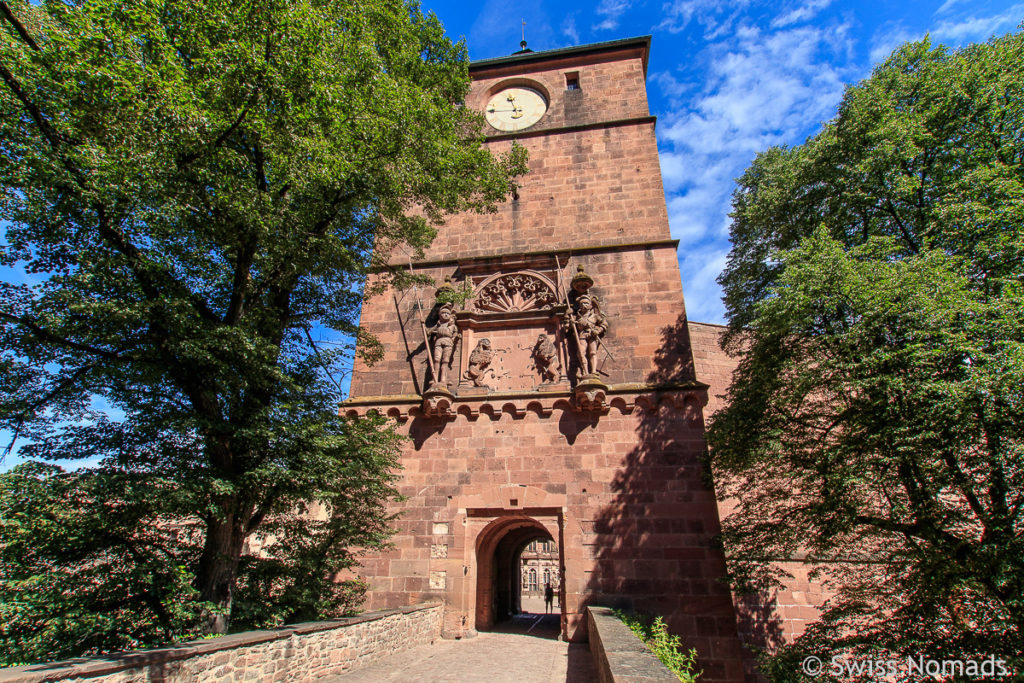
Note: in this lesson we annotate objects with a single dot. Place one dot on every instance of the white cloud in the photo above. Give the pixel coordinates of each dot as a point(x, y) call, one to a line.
point(679, 14)
point(761, 88)
point(888, 38)
point(972, 29)
point(801, 13)
point(569, 29)
point(611, 10)
point(952, 32)
point(699, 268)
point(671, 86)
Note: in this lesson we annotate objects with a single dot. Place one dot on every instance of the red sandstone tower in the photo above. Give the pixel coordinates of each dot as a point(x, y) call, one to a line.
point(558, 401)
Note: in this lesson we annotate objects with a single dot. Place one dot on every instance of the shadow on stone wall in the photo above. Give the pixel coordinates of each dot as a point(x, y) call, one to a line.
point(654, 542)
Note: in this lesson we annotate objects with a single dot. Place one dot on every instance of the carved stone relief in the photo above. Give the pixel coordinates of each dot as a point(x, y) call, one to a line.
point(523, 334)
point(545, 360)
point(479, 363)
point(511, 361)
point(514, 293)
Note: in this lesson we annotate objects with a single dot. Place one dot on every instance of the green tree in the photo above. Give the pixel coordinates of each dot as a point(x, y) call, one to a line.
point(194, 190)
point(91, 561)
point(875, 422)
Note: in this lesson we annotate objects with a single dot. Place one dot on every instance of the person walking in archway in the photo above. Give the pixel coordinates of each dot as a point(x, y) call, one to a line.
point(549, 597)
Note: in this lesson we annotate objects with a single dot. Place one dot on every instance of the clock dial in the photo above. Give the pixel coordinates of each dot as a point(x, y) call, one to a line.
point(515, 108)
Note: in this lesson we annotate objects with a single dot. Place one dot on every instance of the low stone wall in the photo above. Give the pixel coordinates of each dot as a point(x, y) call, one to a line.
point(296, 654)
point(619, 656)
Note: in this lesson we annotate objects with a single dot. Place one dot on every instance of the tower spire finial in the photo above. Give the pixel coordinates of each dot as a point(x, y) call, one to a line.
point(522, 43)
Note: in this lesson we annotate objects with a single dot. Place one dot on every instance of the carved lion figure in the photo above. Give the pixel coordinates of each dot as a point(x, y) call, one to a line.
point(479, 361)
point(545, 356)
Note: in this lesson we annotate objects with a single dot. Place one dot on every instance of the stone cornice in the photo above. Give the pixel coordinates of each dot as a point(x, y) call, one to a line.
point(540, 132)
point(626, 398)
point(476, 67)
point(517, 258)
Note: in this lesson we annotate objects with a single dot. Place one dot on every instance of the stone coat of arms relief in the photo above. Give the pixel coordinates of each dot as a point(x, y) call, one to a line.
point(518, 331)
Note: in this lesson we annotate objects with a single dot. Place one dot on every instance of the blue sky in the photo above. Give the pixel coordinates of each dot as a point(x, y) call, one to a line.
point(727, 80)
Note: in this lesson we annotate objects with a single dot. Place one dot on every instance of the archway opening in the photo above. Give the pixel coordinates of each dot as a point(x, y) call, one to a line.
point(539, 578)
point(504, 592)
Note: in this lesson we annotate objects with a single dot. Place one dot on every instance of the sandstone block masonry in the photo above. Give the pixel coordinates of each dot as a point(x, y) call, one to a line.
point(619, 656)
point(598, 448)
point(296, 654)
point(765, 621)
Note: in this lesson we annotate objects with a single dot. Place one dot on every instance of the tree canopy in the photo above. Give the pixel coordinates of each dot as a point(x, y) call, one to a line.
point(875, 294)
point(193, 192)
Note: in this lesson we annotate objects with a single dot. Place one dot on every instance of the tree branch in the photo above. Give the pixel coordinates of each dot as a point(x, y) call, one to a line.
point(46, 335)
point(18, 26)
point(48, 132)
point(320, 358)
point(316, 231)
point(240, 283)
point(138, 262)
point(189, 158)
point(903, 228)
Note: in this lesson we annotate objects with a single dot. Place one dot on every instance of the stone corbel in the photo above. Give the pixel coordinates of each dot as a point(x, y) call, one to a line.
point(591, 395)
point(437, 402)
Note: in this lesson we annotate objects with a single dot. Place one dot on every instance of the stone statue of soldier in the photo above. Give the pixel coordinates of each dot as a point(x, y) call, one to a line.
point(444, 336)
point(591, 325)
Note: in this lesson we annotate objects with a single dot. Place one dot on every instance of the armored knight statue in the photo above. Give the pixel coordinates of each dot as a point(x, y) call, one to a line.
point(591, 325)
point(444, 336)
point(545, 357)
point(479, 362)
point(586, 324)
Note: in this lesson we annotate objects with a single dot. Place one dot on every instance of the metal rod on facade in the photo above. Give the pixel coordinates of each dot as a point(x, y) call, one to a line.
point(572, 321)
point(423, 328)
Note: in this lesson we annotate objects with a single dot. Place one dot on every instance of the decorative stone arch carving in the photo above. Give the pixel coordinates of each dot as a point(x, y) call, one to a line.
point(520, 292)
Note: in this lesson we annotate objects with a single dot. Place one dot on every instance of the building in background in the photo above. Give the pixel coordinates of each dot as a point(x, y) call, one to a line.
point(538, 563)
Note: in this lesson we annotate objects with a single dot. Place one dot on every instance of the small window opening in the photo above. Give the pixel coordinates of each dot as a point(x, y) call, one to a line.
point(572, 81)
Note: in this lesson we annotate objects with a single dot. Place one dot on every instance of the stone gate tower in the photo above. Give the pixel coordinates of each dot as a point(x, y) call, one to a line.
point(559, 399)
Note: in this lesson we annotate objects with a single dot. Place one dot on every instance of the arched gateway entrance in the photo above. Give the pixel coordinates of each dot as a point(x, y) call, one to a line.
point(498, 578)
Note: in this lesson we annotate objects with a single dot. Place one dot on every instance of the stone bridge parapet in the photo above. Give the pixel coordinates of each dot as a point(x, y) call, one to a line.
point(295, 653)
point(619, 656)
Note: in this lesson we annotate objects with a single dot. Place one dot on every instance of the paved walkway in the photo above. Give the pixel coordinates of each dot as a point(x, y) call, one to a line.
point(511, 656)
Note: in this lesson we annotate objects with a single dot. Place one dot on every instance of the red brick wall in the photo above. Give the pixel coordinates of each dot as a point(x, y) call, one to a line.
point(630, 511)
point(764, 620)
point(621, 491)
point(640, 294)
point(586, 186)
point(711, 364)
point(612, 87)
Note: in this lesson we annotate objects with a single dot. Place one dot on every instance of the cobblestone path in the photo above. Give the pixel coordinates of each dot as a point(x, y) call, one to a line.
point(512, 656)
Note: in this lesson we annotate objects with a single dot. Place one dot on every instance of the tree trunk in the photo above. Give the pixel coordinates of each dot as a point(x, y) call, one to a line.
point(218, 569)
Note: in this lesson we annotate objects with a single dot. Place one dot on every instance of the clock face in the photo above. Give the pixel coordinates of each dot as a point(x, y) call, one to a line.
point(515, 108)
